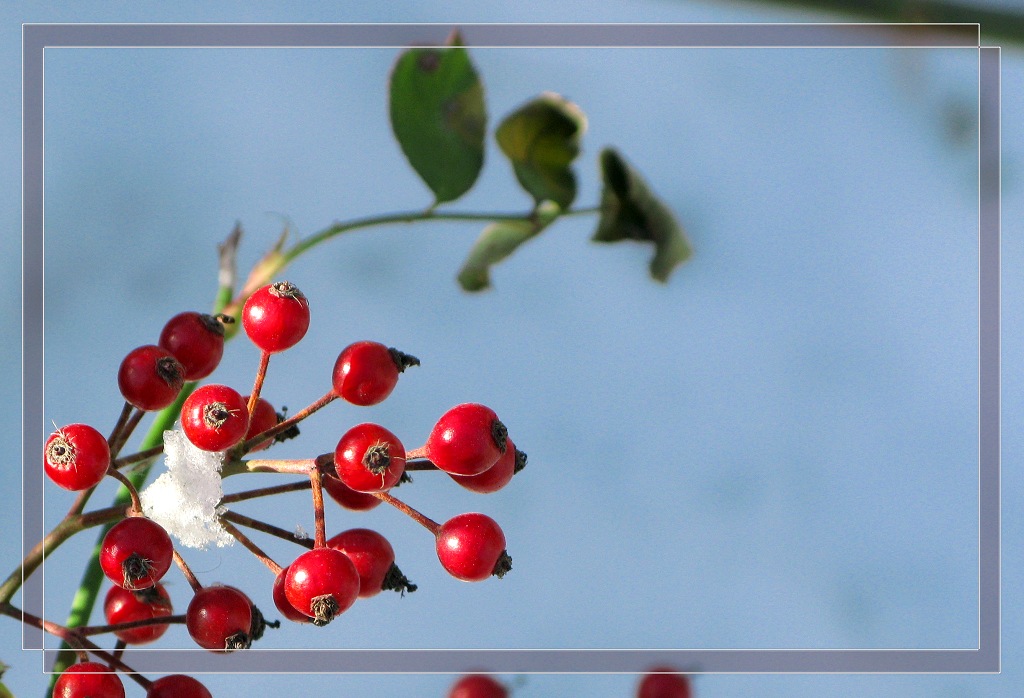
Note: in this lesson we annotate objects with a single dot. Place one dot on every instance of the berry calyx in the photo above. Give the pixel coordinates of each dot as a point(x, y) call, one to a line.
point(365, 373)
point(177, 686)
point(346, 496)
point(88, 680)
point(467, 440)
point(136, 552)
point(214, 417)
point(322, 584)
point(369, 458)
point(498, 475)
point(76, 457)
point(276, 317)
point(471, 547)
point(124, 606)
point(150, 377)
point(656, 684)
point(219, 618)
point(263, 417)
point(374, 560)
point(196, 340)
point(477, 686)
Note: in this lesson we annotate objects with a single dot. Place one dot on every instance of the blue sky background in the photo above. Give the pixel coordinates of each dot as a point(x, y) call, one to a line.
point(776, 449)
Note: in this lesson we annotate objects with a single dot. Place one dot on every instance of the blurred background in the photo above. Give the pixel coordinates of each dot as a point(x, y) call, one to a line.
point(777, 449)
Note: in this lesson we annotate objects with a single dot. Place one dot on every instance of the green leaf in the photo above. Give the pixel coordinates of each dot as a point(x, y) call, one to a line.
point(438, 116)
point(629, 211)
point(497, 241)
point(542, 138)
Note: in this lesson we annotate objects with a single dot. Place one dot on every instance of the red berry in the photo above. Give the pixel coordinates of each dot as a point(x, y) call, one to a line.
point(177, 686)
point(76, 457)
point(150, 377)
point(136, 553)
point(263, 417)
point(276, 317)
point(498, 475)
point(219, 618)
point(214, 417)
point(471, 547)
point(366, 372)
point(467, 440)
point(369, 458)
point(282, 602)
point(322, 583)
point(88, 680)
point(123, 606)
point(477, 686)
point(374, 559)
point(663, 685)
point(197, 342)
point(348, 497)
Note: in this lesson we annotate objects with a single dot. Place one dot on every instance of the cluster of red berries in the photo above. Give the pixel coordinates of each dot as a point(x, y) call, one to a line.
point(468, 442)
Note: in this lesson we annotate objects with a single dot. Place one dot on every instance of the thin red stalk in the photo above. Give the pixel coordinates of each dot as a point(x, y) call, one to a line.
point(300, 466)
point(136, 508)
point(261, 375)
point(270, 529)
point(288, 423)
point(420, 452)
point(100, 629)
point(416, 516)
point(421, 464)
point(266, 492)
point(122, 419)
point(252, 547)
point(320, 534)
point(126, 432)
point(183, 566)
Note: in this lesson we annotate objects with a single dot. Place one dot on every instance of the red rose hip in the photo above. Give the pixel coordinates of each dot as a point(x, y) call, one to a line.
point(136, 552)
point(76, 457)
point(124, 606)
point(276, 317)
point(214, 417)
point(88, 680)
point(177, 686)
point(150, 377)
point(366, 372)
point(219, 618)
point(369, 458)
point(663, 685)
point(374, 560)
point(498, 475)
point(477, 686)
point(467, 440)
point(322, 584)
point(471, 547)
point(196, 340)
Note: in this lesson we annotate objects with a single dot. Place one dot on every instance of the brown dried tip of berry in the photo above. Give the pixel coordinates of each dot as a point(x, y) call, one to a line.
point(503, 566)
point(170, 371)
point(215, 414)
point(260, 624)
point(324, 609)
point(500, 434)
point(286, 289)
point(402, 360)
point(395, 580)
point(60, 451)
point(215, 323)
point(377, 458)
point(134, 568)
point(238, 641)
point(520, 462)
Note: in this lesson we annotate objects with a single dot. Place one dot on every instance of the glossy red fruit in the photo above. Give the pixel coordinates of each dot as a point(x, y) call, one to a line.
point(369, 458)
point(214, 417)
point(374, 560)
point(219, 618)
point(467, 440)
point(136, 552)
point(366, 372)
point(197, 342)
point(263, 417)
point(322, 584)
point(177, 686)
point(88, 680)
point(123, 606)
point(282, 602)
point(498, 475)
point(76, 457)
point(150, 377)
point(348, 497)
point(664, 685)
point(276, 317)
point(477, 686)
point(471, 547)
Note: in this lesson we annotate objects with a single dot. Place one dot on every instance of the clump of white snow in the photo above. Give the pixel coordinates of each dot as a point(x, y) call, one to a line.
point(184, 499)
point(300, 533)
